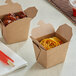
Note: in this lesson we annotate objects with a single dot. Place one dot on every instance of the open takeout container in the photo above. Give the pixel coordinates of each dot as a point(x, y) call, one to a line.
point(17, 30)
point(56, 55)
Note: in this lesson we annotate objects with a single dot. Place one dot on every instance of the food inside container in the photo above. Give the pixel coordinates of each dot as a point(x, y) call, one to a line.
point(15, 22)
point(52, 42)
point(11, 17)
point(50, 46)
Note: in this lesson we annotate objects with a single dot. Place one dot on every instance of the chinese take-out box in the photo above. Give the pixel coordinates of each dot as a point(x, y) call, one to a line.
point(17, 30)
point(56, 55)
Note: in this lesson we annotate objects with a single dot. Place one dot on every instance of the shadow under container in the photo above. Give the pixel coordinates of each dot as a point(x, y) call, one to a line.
point(18, 30)
point(56, 55)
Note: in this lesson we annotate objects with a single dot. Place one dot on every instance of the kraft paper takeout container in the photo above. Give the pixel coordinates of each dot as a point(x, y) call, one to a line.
point(17, 30)
point(49, 58)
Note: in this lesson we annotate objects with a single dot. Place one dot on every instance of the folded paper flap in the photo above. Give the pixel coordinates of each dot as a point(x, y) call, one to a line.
point(8, 1)
point(10, 7)
point(42, 30)
point(65, 31)
point(18, 23)
point(31, 12)
point(36, 42)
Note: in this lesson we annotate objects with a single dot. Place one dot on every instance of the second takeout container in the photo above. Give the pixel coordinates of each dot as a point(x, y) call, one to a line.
point(56, 55)
point(17, 30)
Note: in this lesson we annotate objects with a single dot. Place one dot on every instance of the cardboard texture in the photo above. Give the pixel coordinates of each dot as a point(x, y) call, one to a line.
point(17, 30)
point(64, 7)
point(41, 30)
point(49, 58)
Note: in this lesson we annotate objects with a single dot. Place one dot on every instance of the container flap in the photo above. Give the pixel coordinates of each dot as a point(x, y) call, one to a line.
point(10, 7)
point(42, 30)
point(37, 42)
point(31, 12)
point(65, 31)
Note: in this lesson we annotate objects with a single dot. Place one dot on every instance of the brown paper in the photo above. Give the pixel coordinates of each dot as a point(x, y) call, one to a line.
point(10, 7)
point(51, 57)
point(40, 31)
point(17, 30)
point(65, 31)
point(31, 12)
point(36, 42)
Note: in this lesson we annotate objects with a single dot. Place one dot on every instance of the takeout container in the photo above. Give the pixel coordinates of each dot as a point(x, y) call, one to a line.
point(17, 30)
point(49, 58)
point(73, 4)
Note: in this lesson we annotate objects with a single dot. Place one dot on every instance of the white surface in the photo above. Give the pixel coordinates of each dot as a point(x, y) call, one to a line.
point(25, 49)
point(18, 61)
